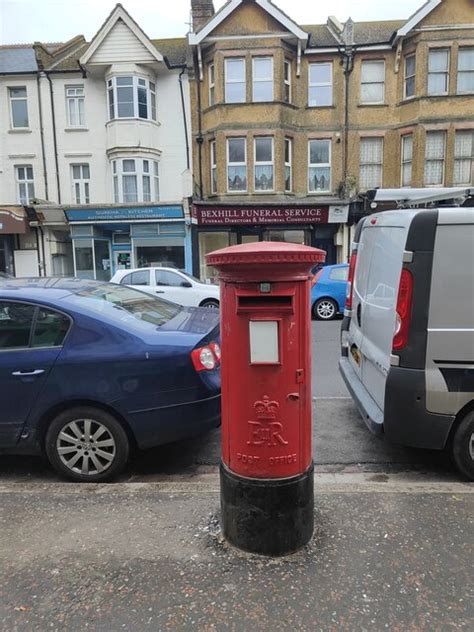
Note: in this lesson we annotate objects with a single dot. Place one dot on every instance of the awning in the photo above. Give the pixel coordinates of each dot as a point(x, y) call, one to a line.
point(12, 220)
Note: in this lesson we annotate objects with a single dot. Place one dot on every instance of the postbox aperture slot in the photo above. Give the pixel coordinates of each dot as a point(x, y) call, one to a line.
point(264, 342)
point(267, 302)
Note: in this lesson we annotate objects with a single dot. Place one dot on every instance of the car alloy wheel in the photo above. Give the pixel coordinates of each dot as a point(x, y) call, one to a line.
point(210, 304)
point(463, 445)
point(325, 309)
point(85, 446)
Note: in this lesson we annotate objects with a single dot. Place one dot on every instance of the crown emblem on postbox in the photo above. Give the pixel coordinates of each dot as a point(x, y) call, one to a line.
point(266, 408)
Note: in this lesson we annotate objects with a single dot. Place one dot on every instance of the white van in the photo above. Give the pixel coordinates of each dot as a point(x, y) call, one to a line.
point(408, 332)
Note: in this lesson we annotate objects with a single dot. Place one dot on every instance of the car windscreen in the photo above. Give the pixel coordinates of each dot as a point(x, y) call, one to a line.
point(137, 304)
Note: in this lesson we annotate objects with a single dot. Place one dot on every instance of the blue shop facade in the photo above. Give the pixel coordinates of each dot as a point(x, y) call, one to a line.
point(106, 239)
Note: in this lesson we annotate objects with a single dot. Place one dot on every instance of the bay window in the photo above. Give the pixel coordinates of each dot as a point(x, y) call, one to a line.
point(410, 69)
point(464, 157)
point(236, 164)
point(213, 167)
point(135, 180)
point(288, 158)
point(262, 79)
point(235, 80)
point(319, 172)
point(287, 81)
point(131, 97)
point(466, 70)
point(263, 167)
point(438, 71)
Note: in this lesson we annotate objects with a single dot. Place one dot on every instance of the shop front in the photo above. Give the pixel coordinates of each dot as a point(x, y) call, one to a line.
point(108, 239)
point(13, 226)
point(219, 226)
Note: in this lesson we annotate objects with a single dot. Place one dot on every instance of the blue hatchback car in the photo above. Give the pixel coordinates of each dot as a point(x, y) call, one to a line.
point(328, 293)
point(89, 370)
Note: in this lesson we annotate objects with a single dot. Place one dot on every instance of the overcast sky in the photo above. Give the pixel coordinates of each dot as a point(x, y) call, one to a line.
point(23, 21)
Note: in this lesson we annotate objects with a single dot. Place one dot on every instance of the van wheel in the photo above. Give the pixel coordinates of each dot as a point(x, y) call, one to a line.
point(210, 303)
point(325, 309)
point(463, 446)
point(87, 444)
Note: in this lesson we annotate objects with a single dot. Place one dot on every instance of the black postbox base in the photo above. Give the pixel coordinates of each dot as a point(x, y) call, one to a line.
point(267, 516)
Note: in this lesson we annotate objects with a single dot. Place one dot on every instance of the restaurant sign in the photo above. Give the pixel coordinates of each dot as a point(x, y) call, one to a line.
point(238, 215)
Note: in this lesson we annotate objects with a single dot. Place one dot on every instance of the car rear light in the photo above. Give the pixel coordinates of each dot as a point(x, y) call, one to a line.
point(403, 314)
point(206, 358)
point(350, 280)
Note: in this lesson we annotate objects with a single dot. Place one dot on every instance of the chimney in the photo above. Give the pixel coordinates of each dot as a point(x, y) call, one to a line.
point(201, 12)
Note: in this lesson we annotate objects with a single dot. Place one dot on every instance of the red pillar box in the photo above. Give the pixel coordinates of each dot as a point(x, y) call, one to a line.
point(266, 467)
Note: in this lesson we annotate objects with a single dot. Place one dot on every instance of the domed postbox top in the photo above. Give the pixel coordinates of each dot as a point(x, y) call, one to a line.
point(265, 260)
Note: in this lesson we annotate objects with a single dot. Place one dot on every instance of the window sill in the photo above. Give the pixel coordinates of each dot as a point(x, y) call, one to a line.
point(373, 105)
point(236, 192)
point(319, 193)
point(20, 130)
point(209, 108)
point(76, 129)
point(320, 107)
point(132, 118)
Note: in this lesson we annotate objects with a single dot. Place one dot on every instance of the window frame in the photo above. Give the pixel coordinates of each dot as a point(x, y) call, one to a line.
point(140, 174)
point(288, 142)
point(26, 181)
point(459, 72)
point(457, 158)
point(268, 80)
point(404, 161)
point(37, 307)
point(239, 81)
point(438, 72)
point(366, 164)
point(430, 134)
point(237, 164)
point(11, 99)
point(287, 87)
point(371, 83)
point(320, 164)
point(263, 163)
point(321, 84)
point(75, 99)
point(82, 183)
point(112, 88)
point(213, 166)
point(407, 77)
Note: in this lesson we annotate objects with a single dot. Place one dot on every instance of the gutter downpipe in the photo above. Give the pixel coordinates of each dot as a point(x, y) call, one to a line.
point(43, 152)
point(53, 116)
point(199, 137)
point(185, 123)
point(348, 63)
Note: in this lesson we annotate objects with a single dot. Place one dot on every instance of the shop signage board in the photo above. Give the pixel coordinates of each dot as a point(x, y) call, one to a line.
point(12, 221)
point(170, 211)
point(240, 215)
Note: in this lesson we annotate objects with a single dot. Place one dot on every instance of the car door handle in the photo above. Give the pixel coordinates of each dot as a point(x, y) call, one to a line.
point(28, 373)
point(159, 292)
point(359, 313)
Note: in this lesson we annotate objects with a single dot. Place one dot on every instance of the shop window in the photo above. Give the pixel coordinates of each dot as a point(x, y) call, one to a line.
point(15, 324)
point(407, 160)
point(140, 277)
point(25, 183)
point(371, 162)
point(438, 71)
point(212, 147)
point(18, 106)
point(466, 70)
point(236, 164)
point(135, 180)
point(235, 80)
point(464, 157)
point(211, 74)
point(319, 173)
point(170, 255)
point(262, 79)
point(287, 81)
point(434, 158)
point(208, 242)
point(288, 236)
point(410, 69)
point(84, 259)
point(131, 97)
point(80, 183)
point(320, 85)
point(372, 82)
point(75, 106)
point(263, 164)
point(288, 165)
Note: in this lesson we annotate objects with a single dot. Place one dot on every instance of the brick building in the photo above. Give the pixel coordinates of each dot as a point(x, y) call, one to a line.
point(291, 122)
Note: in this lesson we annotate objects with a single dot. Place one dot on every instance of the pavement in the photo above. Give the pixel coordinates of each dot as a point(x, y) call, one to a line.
point(392, 548)
point(391, 552)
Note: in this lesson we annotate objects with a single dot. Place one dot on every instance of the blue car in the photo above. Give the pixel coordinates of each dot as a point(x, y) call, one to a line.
point(89, 370)
point(328, 293)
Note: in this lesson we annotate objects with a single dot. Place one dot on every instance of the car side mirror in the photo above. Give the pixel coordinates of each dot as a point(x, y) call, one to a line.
point(186, 284)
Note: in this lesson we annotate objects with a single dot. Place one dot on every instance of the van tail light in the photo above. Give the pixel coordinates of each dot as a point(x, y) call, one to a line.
point(403, 313)
point(206, 358)
point(350, 280)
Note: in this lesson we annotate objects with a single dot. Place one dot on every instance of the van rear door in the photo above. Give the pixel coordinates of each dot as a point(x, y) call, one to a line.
point(377, 276)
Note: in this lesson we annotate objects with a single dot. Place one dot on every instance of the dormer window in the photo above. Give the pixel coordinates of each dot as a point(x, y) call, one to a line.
point(131, 97)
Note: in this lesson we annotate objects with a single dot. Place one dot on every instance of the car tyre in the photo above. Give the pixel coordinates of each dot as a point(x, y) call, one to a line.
point(210, 303)
point(87, 445)
point(462, 448)
point(325, 309)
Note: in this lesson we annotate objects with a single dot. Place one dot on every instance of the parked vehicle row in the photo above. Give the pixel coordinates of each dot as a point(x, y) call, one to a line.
point(89, 370)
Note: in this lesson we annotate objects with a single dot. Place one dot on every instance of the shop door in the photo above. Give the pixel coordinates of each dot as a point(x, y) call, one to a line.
point(122, 260)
